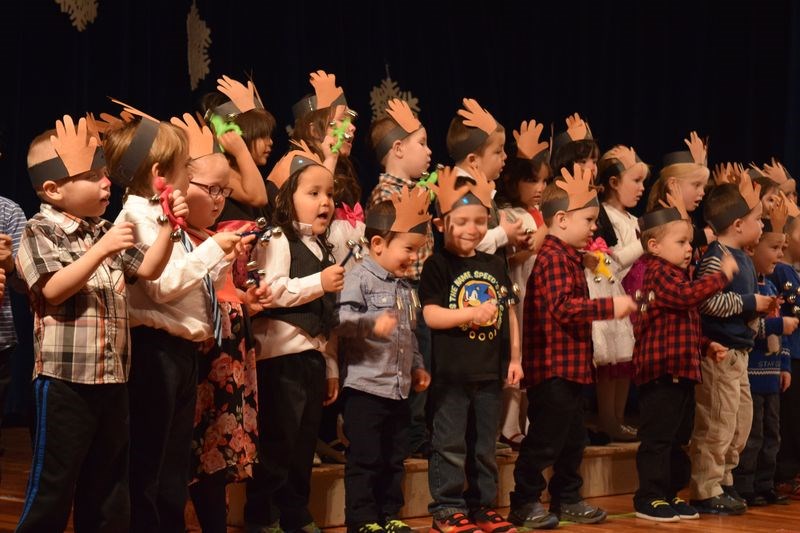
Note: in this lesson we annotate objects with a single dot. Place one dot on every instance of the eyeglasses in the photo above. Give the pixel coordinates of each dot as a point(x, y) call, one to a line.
point(214, 191)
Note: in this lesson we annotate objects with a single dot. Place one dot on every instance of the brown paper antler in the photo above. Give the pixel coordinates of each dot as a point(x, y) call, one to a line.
point(411, 208)
point(779, 214)
point(401, 112)
point(675, 199)
point(132, 111)
point(245, 98)
point(578, 186)
point(447, 194)
point(527, 139)
point(477, 117)
point(576, 127)
point(325, 88)
point(201, 139)
point(73, 145)
point(283, 168)
point(749, 190)
point(776, 172)
point(696, 148)
point(791, 207)
point(625, 155)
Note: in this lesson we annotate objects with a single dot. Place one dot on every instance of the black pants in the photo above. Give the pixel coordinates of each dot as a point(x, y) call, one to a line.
point(80, 450)
point(557, 438)
point(666, 418)
point(5, 377)
point(756, 470)
point(377, 429)
point(291, 389)
point(208, 496)
point(163, 392)
point(789, 454)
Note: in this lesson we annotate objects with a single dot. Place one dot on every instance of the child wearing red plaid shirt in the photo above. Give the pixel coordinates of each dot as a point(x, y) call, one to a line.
point(557, 341)
point(666, 359)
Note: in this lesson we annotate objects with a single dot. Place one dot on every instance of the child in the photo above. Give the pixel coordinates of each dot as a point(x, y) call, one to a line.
point(557, 344)
point(401, 146)
point(170, 318)
point(237, 105)
point(785, 274)
point(466, 297)
point(523, 179)
point(621, 174)
point(381, 362)
point(75, 266)
point(724, 411)
point(225, 434)
point(769, 374)
point(666, 359)
point(475, 142)
point(291, 344)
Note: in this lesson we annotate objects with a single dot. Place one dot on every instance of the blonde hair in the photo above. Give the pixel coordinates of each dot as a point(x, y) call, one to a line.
point(679, 171)
point(170, 143)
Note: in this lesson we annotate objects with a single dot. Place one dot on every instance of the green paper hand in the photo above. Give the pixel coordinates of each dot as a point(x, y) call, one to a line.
point(339, 132)
point(221, 126)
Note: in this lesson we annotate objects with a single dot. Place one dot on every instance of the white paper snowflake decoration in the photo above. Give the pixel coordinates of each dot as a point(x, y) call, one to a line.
point(199, 38)
point(388, 89)
point(81, 12)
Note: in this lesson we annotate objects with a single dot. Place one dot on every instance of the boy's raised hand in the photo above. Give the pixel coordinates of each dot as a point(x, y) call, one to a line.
point(716, 351)
point(484, 313)
point(177, 202)
point(385, 324)
point(729, 266)
point(116, 239)
point(420, 379)
point(624, 305)
point(790, 324)
point(332, 278)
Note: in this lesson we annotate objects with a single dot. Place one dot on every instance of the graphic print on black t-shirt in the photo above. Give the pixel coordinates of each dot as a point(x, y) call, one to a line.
point(471, 289)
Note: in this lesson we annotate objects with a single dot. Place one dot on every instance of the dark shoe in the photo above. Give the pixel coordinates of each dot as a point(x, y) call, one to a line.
point(623, 433)
point(423, 451)
point(490, 522)
point(311, 527)
point(331, 452)
point(273, 528)
point(657, 511)
point(396, 526)
point(790, 489)
point(754, 500)
point(733, 493)
point(774, 498)
point(721, 505)
point(515, 442)
point(684, 510)
point(532, 516)
point(597, 438)
point(455, 523)
point(371, 527)
point(580, 512)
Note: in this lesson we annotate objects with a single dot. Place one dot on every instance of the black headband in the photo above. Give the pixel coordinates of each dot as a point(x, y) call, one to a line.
point(551, 207)
point(309, 103)
point(137, 151)
point(54, 169)
point(396, 134)
point(721, 222)
point(659, 217)
point(475, 138)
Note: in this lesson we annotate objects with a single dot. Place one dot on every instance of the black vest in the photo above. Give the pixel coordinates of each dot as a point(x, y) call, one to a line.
point(317, 316)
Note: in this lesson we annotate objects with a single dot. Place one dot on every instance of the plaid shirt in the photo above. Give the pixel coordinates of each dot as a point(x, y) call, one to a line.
point(388, 185)
point(84, 339)
point(668, 340)
point(558, 315)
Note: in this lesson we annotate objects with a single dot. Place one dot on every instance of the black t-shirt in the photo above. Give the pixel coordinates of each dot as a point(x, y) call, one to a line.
point(467, 353)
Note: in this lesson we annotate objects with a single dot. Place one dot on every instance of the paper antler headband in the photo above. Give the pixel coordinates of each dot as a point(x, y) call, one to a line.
point(77, 152)
point(697, 152)
point(294, 161)
point(143, 139)
point(476, 190)
point(748, 199)
point(326, 94)
point(580, 193)
point(527, 139)
point(577, 130)
point(778, 215)
point(201, 139)
point(479, 123)
point(241, 98)
point(619, 160)
point(410, 213)
point(405, 124)
point(673, 209)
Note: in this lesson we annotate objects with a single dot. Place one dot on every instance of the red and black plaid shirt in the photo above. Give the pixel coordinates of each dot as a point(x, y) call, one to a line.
point(668, 339)
point(557, 333)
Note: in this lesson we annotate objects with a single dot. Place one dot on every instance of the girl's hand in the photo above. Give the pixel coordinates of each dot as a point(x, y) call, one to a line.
point(420, 379)
point(332, 278)
point(331, 391)
point(177, 202)
point(233, 144)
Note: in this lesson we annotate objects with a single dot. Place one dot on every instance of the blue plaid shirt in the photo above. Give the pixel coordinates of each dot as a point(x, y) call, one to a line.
point(12, 222)
point(379, 366)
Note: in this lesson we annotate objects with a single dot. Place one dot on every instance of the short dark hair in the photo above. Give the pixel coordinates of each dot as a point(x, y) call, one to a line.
point(721, 200)
point(552, 192)
point(383, 208)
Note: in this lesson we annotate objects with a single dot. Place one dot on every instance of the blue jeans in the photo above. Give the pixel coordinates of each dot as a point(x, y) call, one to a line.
point(465, 420)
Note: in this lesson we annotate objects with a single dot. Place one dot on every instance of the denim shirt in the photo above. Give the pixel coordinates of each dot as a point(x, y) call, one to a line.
point(379, 366)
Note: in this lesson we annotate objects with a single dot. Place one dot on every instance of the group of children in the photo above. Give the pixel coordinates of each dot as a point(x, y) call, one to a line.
point(195, 341)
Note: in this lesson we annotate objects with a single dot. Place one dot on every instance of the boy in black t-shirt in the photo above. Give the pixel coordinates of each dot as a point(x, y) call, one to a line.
point(466, 296)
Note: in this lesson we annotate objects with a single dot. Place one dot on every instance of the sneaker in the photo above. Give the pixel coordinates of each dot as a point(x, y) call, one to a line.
point(754, 500)
point(311, 527)
point(490, 522)
point(317, 461)
point(371, 527)
point(774, 498)
point(272, 528)
point(790, 489)
point(455, 523)
point(580, 512)
point(532, 516)
point(721, 505)
point(684, 510)
point(733, 493)
point(331, 452)
point(657, 511)
point(396, 526)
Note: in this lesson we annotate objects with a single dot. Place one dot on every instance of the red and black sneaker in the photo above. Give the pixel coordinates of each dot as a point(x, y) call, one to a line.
point(490, 522)
point(455, 523)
